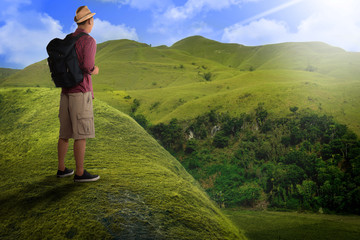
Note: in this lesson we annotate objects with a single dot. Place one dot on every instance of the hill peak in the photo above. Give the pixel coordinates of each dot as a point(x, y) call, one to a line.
point(197, 39)
point(122, 43)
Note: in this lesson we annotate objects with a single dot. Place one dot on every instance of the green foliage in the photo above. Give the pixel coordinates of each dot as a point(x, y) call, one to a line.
point(135, 106)
point(141, 120)
point(261, 114)
point(248, 195)
point(221, 140)
point(170, 136)
point(190, 146)
point(208, 76)
point(154, 105)
point(305, 161)
point(294, 109)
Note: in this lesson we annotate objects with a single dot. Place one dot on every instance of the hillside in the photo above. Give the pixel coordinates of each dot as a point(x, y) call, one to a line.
point(303, 56)
point(6, 72)
point(202, 75)
point(143, 193)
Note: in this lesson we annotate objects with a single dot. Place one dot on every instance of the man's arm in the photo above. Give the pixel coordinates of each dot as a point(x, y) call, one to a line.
point(89, 57)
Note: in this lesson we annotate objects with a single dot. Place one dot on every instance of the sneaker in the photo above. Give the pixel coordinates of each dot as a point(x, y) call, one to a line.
point(65, 173)
point(86, 177)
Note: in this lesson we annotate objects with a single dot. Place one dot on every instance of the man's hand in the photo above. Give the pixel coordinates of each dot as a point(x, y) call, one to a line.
point(95, 71)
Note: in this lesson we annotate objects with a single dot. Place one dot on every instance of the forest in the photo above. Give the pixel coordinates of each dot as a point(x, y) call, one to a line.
point(303, 162)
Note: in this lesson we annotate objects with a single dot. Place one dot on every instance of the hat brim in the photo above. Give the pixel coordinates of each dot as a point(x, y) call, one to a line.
point(84, 18)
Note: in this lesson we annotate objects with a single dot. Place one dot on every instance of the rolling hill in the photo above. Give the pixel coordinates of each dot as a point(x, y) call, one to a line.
point(202, 75)
point(6, 72)
point(303, 56)
point(143, 193)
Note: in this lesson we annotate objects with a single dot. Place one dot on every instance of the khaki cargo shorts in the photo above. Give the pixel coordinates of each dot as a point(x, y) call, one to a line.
point(76, 116)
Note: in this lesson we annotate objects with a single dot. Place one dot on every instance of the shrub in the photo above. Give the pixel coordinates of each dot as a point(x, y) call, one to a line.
point(221, 140)
point(248, 194)
point(141, 120)
point(293, 109)
point(135, 105)
point(208, 76)
point(190, 146)
point(154, 105)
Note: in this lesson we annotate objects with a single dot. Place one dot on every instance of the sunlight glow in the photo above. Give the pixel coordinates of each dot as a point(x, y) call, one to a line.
point(271, 11)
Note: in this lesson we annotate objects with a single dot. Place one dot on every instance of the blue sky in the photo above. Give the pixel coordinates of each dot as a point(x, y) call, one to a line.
point(26, 26)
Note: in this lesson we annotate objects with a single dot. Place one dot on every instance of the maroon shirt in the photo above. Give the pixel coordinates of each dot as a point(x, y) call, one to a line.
point(86, 50)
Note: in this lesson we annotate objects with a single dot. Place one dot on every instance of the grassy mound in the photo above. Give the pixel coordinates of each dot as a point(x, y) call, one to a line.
point(143, 193)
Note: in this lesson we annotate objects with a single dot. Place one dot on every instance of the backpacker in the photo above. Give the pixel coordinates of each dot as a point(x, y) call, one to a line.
point(63, 61)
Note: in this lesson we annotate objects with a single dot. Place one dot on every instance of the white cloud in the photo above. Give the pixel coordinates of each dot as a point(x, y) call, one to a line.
point(258, 32)
point(23, 45)
point(177, 22)
point(337, 23)
point(334, 22)
point(104, 31)
point(24, 35)
point(194, 7)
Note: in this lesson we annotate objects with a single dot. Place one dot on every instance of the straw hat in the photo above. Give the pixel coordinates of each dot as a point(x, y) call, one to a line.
point(82, 14)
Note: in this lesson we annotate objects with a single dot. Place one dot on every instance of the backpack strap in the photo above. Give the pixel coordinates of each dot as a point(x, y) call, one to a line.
point(70, 36)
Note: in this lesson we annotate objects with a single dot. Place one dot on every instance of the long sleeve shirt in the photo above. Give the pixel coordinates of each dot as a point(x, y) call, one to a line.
point(86, 50)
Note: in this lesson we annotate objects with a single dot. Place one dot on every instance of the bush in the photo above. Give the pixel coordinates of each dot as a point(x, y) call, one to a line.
point(135, 105)
point(221, 140)
point(208, 76)
point(190, 146)
point(141, 120)
point(247, 195)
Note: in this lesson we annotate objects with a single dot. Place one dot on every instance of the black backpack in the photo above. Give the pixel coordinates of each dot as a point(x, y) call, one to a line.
point(63, 61)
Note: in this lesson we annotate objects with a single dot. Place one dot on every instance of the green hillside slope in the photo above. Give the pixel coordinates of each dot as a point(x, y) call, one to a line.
point(143, 193)
point(197, 75)
point(6, 72)
point(304, 56)
point(34, 75)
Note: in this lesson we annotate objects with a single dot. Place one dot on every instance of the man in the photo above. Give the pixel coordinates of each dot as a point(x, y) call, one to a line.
point(76, 110)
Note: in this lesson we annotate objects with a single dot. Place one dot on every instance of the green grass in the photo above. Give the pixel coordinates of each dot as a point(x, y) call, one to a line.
point(172, 78)
point(6, 72)
point(264, 225)
point(143, 193)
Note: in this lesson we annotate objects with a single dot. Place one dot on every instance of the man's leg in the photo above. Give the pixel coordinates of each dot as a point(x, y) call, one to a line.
point(79, 153)
point(63, 145)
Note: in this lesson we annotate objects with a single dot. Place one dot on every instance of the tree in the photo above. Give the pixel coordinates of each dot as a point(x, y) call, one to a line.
point(141, 120)
point(307, 191)
point(247, 194)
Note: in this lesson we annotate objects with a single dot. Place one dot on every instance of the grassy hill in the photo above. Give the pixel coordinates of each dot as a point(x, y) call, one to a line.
point(202, 75)
point(303, 56)
point(6, 72)
point(143, 193)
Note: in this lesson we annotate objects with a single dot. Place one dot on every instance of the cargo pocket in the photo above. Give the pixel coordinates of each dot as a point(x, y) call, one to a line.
point(85, 123)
